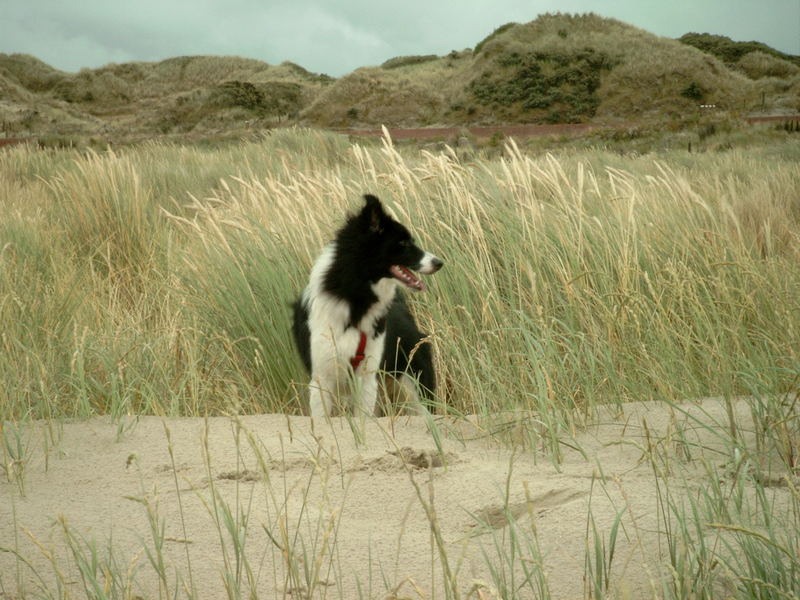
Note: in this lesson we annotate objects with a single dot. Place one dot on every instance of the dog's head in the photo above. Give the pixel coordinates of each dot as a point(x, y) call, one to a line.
point(389, 249)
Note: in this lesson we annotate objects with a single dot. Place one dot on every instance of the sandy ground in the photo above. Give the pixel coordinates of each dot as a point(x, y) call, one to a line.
point(345, 515)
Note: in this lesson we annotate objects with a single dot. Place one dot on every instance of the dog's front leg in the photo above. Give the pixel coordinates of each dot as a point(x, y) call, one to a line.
point(366, 375)
point(320, 401)
point(368, 393)
point(326, 373)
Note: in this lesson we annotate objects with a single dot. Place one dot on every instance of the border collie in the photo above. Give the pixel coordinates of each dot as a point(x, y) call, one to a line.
point(352, 321)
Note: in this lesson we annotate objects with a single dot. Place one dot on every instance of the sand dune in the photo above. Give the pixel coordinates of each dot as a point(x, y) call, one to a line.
point(349, 518)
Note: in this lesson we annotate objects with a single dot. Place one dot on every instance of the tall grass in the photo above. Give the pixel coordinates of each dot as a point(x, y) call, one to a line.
point(158, 279)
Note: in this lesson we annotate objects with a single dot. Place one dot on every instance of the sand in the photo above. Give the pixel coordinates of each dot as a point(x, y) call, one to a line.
point(345, 515)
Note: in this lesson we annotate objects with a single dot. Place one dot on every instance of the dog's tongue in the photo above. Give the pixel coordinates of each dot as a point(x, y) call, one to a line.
point(407, 277)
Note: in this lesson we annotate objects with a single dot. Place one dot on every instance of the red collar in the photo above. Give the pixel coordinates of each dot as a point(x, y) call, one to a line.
point(359, 356)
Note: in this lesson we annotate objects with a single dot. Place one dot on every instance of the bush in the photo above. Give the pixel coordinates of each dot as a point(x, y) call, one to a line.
point(238, 94)
point(729, 51)
point(693, 91)
point(539, 80)
point(404, 61)
point(273, 97)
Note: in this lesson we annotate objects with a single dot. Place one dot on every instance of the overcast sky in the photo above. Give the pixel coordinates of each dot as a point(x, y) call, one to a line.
point(337, 37)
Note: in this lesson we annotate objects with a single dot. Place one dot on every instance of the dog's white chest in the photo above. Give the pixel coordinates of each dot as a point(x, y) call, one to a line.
point(334, 344)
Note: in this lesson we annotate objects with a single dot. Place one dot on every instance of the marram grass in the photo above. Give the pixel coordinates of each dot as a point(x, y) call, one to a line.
point(158, 279)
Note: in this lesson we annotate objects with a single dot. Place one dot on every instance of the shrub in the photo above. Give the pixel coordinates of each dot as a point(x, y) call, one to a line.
point(273, 97)
point(404, 61)
point(729, 51)
point(693, 91)
point(238, 94)
point(540, 80)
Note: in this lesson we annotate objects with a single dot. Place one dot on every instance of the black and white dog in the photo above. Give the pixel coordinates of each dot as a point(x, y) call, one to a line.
point(351, 321)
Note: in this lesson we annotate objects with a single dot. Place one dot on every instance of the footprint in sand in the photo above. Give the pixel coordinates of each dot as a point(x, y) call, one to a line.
point(498, 516)
point(399, 460)
point(406, 457)
point(244, 475)
point(283, 466)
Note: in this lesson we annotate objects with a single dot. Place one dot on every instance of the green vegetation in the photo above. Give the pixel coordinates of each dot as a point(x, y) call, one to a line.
point(378, 96)
point(182, 95)
point(305, 73)
point(275, 97)
point(564, 84)
point(556, 69)
point(693, 91)
point(402, 61)
point(730, 51)
point(759, 64)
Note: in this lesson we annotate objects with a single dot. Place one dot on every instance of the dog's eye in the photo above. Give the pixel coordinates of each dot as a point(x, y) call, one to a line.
point(405, 243)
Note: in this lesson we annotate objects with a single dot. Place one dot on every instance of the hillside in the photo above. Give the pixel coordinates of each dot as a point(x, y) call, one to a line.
point(556, 69)
point(190, 94)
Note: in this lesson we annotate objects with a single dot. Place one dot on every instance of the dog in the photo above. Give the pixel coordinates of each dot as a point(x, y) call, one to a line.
point(352, 321)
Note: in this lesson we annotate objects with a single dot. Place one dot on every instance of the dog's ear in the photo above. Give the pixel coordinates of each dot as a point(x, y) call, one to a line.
point(373, 211)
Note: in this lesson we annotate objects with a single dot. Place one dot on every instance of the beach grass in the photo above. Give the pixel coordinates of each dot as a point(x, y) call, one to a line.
point(158, 279)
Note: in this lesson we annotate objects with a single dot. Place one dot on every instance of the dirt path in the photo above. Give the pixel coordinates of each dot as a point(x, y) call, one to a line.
point(520, 131)
point(483, 132)
point(424, 133)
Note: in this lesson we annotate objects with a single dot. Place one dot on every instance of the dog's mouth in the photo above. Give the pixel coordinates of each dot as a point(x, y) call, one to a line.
point(407, 278)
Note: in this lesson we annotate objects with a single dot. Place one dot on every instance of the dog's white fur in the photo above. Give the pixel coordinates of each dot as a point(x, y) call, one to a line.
point(333, 344)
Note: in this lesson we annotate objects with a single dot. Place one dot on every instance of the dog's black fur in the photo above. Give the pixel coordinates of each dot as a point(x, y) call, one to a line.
point(368, 248)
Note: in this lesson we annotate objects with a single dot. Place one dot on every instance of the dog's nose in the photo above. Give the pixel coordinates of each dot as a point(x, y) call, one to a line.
point(436, 263)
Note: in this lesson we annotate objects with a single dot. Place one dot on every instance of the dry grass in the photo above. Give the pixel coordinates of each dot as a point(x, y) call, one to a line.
point(158, 279)
point(759, 64)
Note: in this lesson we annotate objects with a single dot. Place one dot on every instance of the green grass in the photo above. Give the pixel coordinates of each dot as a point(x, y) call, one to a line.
point(738, 532)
